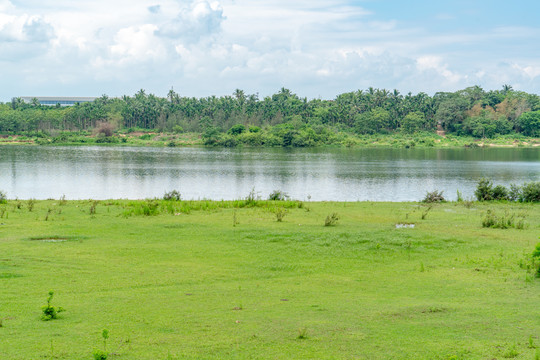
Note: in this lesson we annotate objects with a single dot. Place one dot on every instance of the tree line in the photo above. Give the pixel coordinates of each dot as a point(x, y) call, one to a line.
point(471, 111)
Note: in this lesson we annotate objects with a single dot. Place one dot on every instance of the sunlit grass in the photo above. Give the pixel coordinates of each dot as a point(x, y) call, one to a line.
point(226, 280)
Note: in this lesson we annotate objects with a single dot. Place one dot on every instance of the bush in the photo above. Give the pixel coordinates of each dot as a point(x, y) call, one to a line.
point(237, 129)
point(278, 195)
point(172, 195)
point(530, 192)
point(3, 197)
point(433, 197)
point(484, 190)
point(177, 129)
point(105, 129)
point(499, 192)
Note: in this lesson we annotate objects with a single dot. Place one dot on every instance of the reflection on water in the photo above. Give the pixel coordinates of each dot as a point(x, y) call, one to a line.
point(319, 174)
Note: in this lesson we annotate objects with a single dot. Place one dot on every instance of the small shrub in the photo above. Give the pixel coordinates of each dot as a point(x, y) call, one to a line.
point(100, 355)
point(514, 194)
point(104, 129)
point(3, 198)
point(331, 219)
point(171, 143)
point(499, 192)
point(50, 312)
point(278, 195)
point(484, 190)
point(172, 195)
point(177, 129)
point(530, 192)
point(434, 197)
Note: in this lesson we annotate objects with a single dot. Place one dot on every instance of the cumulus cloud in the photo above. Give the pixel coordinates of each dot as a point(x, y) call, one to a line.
point(197, 20)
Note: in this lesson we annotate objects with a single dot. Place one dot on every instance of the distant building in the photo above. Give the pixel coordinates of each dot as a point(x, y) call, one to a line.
point(53, 100)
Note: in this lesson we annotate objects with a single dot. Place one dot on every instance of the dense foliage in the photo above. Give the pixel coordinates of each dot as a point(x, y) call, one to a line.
point(285, 118)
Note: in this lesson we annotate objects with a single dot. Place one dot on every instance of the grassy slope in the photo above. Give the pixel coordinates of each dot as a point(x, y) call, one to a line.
point(193, 286)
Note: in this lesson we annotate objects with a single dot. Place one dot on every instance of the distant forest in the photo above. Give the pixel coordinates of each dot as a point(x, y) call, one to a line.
point(471, 111)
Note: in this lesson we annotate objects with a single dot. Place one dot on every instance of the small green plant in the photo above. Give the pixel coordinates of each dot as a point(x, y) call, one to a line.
point(511, 353)
point(30, 204)
point(280, 214)
point(173, 195)
point(331, 219)
point(459, 196)
point(93, 207)
point(433, 197)
point(536, 259)
point(506, 221)
point(426, 212)
point(49, 211)
point(302, 333)
point(3, 198)
point(531, 343)
point(102, 354)
point(63, 200)
point(50, 312)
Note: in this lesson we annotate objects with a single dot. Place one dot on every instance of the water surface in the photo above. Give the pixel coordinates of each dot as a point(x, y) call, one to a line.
point(318, 174)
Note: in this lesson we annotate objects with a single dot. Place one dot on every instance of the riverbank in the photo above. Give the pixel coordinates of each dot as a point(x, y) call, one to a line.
point(215, 280)
point(158, 139)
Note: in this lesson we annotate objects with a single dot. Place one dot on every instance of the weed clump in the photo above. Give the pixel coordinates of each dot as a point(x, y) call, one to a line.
point(506, 221)
point(536, 259)
point(3, 198)
point(302, 334)
point(331, 219)
point(280, 214)
point(50, 312)
point(434, 197)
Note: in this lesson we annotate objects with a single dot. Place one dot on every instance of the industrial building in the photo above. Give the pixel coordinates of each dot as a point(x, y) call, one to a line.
point(54, 100)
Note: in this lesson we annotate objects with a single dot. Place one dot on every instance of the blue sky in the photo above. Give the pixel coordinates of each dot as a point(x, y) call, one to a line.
point(316, 48)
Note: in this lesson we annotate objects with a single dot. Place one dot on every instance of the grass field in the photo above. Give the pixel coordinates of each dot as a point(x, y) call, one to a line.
point(225, 280)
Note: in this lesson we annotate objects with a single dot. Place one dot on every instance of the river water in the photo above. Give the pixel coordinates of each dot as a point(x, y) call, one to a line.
point(339, 174)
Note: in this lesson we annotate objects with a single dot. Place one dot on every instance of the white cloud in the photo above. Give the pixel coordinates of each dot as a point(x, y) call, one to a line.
point(199, 19)
point(204, 47)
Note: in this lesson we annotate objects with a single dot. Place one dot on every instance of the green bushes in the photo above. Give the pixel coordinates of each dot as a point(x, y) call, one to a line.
point(172, 195)
point(3, 197)
point(528, 192)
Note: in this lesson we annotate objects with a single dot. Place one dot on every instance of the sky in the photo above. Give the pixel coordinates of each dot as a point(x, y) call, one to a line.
point(315, 48)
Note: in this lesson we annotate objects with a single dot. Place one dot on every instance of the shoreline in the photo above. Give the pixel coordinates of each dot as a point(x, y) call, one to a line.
point(154, 139)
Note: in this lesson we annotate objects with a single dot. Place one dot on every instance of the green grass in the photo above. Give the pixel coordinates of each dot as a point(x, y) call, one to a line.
point(225, 280)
